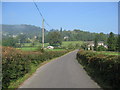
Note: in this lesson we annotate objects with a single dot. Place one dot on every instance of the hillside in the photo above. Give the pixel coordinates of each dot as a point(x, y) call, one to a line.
point(29, 30)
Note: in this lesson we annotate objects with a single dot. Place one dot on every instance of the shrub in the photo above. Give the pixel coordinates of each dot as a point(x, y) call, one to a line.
point(104, 67)
point(101, 48)
point(41, 49)
point(14, 65)
point(17, 63)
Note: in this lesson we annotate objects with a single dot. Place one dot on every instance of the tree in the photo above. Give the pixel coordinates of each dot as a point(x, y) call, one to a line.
point(54, 38)
point(84, 46)
point(77, 45)
point(61, 30)
point(101, 48)
point(118, 43)
point(95, 43)
point(61, 33)
point(22, 38)
point(9, 42)
point(111, 42)
point(71, 46)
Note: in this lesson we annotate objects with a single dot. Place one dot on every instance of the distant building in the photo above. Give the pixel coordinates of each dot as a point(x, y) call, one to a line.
point(101, 43)
point(50, 47)
point(35, 37)
point(14, 36)
point(66, 38)
point(91, 44)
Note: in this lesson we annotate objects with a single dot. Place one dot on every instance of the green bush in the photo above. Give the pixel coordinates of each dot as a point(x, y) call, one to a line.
point(104, 67)
point(16, 63)
point(101, 48)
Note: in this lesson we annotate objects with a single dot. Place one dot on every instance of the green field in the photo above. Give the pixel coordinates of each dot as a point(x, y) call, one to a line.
point(36, 48)
point(36, 44)
point(55, 49)
point(29, 47)
point(108, 53)
point(66, 43)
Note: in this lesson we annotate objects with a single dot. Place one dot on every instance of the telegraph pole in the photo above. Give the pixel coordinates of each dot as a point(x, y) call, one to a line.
point(43, 33)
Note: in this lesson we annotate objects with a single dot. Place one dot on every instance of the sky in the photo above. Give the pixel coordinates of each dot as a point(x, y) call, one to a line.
point(87, 16)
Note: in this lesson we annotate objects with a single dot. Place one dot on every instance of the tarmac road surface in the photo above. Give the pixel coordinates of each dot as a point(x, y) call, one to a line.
point(63, 72)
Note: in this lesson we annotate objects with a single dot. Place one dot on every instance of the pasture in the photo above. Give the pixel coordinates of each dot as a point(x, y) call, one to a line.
point(29, 47)
point(108, 53)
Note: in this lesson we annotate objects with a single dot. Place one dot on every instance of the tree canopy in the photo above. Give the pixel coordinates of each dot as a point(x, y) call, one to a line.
point(54, 38)
point(111, 41)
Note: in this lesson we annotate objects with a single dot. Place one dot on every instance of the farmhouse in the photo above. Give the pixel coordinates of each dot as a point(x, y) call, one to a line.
point(91, 44)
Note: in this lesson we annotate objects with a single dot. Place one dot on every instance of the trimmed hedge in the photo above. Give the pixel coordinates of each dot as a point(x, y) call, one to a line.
point(106, 68)
point(17, 63)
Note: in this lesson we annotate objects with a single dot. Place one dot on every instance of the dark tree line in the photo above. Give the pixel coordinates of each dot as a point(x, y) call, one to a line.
point(79, 35)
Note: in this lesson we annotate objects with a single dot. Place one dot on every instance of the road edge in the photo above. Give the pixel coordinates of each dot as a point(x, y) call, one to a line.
point(39, 66)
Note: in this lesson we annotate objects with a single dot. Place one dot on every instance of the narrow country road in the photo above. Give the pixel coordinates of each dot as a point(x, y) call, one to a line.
point(64, 72)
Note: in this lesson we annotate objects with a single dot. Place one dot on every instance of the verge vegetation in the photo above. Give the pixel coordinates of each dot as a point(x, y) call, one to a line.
point(16, 64)
point(104, 69)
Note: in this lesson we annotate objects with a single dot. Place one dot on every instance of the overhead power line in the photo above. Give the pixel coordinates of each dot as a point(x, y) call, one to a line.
point(38, 9)
point(42, 15)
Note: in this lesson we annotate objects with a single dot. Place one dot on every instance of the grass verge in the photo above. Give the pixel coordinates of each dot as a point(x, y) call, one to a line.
point(108, 53)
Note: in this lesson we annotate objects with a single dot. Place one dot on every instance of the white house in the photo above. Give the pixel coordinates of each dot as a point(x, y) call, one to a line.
point(100, 43)
point(50, 47)
point(66, 38)
point(91, 44)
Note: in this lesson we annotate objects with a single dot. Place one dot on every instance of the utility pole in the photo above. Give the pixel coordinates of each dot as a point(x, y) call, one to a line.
point(43, 33)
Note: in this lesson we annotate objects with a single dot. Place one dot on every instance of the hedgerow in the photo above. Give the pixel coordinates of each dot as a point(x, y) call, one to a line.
point(105, 68)
point(17, 63)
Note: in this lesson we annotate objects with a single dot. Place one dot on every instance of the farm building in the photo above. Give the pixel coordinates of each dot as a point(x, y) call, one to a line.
point(50, 47)
point(91, 44)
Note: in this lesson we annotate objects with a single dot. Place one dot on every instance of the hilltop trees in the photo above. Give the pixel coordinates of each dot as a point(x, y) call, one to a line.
point(30, 31)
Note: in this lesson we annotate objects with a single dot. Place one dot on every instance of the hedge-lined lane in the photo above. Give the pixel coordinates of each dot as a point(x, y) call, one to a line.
point(63, 72)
